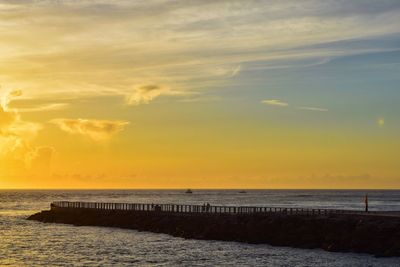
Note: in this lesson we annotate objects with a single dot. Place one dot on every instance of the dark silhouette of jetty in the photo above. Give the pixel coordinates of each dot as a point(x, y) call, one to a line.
point(376, 233)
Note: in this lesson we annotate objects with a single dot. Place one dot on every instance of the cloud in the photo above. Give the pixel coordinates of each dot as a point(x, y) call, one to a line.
point(45, 107)
point(143, 94)
point(314, 109)
point(7, 118)
point(15, 93)
point(227, 71)
point(235, 71)
point(7, 96)
point(275, 102)
point(279, 103)
point(16, 152)
point(10, 120)
point(98, 130)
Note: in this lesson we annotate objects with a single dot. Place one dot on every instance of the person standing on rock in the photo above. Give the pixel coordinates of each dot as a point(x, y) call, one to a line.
point(366, 203)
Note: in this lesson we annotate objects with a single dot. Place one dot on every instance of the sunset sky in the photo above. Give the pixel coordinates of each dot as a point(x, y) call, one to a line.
point(200, 94)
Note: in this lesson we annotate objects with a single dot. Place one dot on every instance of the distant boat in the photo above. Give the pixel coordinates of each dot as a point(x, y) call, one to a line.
point(189, 191)
point(242, 192)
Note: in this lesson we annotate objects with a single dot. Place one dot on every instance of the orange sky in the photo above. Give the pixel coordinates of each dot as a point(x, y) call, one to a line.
point(224, 94)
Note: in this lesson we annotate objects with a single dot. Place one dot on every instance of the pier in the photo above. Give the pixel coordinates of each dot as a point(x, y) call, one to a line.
point(372, 232)
point(212, 209)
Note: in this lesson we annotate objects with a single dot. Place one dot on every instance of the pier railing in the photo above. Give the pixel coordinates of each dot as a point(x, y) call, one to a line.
point(177, 208)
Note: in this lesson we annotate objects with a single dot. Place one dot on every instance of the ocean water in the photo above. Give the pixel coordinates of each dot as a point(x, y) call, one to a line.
point(29, 243)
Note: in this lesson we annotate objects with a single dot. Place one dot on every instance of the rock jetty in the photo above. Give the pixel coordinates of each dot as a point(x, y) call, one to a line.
point(373, 234)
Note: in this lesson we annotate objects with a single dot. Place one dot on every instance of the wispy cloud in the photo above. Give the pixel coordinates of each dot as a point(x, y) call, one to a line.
point(177, 52)
point(280, 103)
point(45, 107)
point(143, 94)
point(275, 102)
point(98, 130)
point(226, 70)
point(314, 109)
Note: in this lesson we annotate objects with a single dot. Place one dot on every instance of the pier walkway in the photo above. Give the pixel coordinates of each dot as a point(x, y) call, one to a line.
point(340, 230)
point(211, 209)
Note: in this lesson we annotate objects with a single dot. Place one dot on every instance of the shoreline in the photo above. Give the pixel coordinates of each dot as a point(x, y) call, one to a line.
point(373, 234)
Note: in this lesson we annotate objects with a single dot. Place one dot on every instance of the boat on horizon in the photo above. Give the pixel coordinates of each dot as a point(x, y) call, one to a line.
point(189, 191)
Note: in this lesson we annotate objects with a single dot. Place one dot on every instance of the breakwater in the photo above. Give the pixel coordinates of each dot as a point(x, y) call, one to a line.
point(332, 230)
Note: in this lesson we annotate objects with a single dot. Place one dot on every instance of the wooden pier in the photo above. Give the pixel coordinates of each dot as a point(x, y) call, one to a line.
point(204, 209)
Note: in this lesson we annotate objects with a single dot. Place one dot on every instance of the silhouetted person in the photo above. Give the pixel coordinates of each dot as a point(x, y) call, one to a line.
point(208, 206)
point(366, 203)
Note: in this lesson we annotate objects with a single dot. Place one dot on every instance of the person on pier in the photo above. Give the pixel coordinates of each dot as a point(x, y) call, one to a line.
point(208, 206)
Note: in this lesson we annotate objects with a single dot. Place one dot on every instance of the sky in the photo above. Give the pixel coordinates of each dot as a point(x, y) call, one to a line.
point(200, 94)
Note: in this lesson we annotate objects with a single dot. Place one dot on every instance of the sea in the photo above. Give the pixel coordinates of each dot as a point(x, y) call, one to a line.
point(31, 243)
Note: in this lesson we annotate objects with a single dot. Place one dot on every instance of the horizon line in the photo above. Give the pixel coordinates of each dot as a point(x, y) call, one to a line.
point(192, 188)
